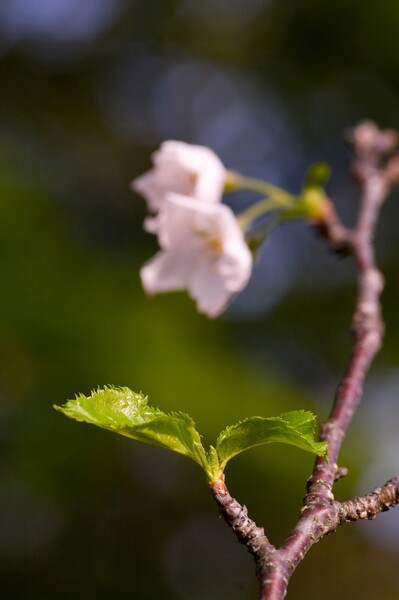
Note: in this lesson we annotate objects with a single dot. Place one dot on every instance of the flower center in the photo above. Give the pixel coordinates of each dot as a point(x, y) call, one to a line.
point(192, 180)
point(210, 240)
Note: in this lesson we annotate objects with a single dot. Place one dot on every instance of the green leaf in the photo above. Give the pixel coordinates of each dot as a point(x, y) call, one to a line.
point(317, 175)
point(296, 428)
point(213, 461)
point(127, 413)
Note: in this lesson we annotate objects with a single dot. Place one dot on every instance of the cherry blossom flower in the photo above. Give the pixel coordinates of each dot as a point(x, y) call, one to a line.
point(203, 250)
point(183, 168)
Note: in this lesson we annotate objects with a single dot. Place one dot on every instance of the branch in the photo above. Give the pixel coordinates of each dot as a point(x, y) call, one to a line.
point(372, 167)
point(376, 168)
point(379, 500)
point(246, 530)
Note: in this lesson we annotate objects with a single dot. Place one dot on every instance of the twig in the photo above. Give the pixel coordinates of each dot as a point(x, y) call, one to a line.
point(367, 507)
point(246, 530)
point(376, 168)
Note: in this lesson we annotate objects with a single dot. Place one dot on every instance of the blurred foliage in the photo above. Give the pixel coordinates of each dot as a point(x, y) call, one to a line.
point(89, 90)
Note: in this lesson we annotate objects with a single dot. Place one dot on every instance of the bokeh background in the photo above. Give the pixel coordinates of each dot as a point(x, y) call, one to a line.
point(88, 90)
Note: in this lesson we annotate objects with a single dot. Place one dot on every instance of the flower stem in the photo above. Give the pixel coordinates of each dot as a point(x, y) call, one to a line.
point(235, 182)
point(258, 210)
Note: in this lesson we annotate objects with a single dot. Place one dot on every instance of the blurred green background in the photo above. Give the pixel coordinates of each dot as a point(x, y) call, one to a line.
point(88, 90)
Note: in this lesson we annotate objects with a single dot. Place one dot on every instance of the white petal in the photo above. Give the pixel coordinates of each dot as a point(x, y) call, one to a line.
point(182, 168)
point(146, 186)
point(183, 213)
point(182, 219)
point(151, 224)
point(209, 290)
point(235, 264)
point(204, 251)
point(165, 272)
point(175, 223)
point(206, 168)
point(235, 270)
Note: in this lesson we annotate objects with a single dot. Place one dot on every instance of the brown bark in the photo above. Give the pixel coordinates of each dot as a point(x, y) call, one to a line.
point(376, 168)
